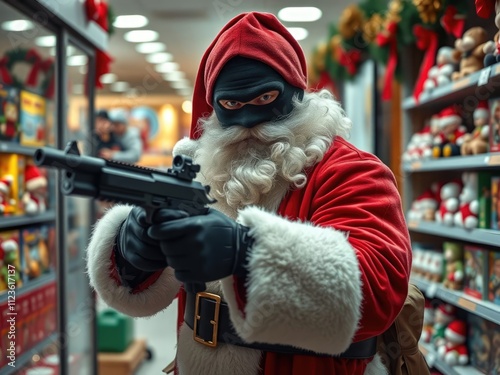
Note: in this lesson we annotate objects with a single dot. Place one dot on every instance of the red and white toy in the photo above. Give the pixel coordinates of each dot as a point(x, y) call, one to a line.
point(5, 188)
point(440, 74)
point(454, 350)
point(467, 214)
point(449, 195)
point(35, 197)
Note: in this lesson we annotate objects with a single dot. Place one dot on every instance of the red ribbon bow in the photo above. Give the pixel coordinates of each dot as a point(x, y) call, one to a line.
point(388, 37)
point(485, 8)
point(452, 22)
point(350, 59)
point(4, 71)
point(426, 40)
point(97, 11)
point(36, 60)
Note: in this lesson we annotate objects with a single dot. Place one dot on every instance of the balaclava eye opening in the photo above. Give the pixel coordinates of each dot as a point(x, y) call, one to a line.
point(243, 79)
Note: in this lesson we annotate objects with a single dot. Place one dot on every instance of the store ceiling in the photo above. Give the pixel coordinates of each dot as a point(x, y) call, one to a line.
point(187, 27)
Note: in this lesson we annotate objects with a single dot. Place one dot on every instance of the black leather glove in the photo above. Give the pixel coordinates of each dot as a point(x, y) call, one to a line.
point(202, 248)
point(138, 255)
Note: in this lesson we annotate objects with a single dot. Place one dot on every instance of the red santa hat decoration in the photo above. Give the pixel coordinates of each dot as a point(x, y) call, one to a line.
point(254, 35)
point(456, 331)
point(33, 178)
point(482, 111)
point(8, 246)
point(449, 116)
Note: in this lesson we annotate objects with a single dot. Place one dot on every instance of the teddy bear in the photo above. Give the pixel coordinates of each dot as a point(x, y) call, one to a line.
point(454, 350)
point(444, 314)
point(467, 214)
point(454, 268)
point(470, 46)
point(477, 141)
point(440, 74)
point(449, 195)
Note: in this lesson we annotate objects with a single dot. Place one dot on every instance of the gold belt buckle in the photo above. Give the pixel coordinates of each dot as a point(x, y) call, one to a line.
point(214, 321)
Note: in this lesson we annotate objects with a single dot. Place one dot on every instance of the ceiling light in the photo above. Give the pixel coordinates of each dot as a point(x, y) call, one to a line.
point(119, 86)
point(17, 25)
point(173, 76)
point(77, 60)
point(140, 36)
point(299, 14)
point(187, 106)
point(166, 67)
point(299, 33)
point(108, 78)
point(130, 21)
point(46, 41)
point(159, 57)
point(150, 47)
point(182, 84)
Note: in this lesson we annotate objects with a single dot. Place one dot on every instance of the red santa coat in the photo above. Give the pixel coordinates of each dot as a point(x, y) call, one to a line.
point(347, 254)
point(378, 232)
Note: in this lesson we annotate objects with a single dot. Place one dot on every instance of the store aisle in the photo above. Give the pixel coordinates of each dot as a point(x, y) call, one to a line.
point(160, 335)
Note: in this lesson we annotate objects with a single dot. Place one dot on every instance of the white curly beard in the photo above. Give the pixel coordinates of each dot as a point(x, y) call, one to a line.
point(251, 166)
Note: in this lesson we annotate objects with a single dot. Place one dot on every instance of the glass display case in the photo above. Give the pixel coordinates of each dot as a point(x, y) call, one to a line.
point(47, 75)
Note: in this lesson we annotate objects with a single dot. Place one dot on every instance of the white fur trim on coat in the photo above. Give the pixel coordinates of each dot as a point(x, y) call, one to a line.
point(152, 300)
point(185, 146)
point(303, 288)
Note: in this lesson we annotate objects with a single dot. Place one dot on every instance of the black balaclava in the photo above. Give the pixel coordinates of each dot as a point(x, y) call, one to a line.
point(243, 79)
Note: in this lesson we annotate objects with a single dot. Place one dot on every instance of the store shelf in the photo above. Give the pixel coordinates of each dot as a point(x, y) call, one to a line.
point(25, 358)
point(433, 361)
point(477, 236)
point(478, 84)
point(16, 148)
point(484, 309)
point(16, 222)
point(477, 162)
point(31, 285)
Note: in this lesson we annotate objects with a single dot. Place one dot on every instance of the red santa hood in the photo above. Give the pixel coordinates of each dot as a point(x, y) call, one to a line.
point(255, 35)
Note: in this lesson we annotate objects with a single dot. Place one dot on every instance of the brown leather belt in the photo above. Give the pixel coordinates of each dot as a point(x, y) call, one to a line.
point(208, 317)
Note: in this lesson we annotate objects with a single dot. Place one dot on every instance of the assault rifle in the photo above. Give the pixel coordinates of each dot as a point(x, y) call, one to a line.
point(119, 182)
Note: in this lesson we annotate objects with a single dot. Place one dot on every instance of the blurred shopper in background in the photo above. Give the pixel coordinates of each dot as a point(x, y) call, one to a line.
point(105, 140)
point(128, 137)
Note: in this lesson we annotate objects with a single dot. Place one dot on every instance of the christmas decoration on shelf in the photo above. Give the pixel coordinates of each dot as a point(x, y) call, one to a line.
point(380, 30)
point(39, 66)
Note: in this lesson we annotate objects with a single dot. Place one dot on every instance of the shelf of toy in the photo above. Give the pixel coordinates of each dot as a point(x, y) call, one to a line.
point(478, 84)
point(484, 309)
point(16, 148)
point(26, 358)
point(482, 161)
point(10, 222)
point(433, 361)
point(477, 236)
point(31, 285)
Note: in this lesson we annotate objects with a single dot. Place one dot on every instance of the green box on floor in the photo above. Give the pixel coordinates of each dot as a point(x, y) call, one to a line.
point(115, 331)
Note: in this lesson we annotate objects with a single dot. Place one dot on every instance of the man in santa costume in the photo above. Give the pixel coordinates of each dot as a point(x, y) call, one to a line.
point(306, 247)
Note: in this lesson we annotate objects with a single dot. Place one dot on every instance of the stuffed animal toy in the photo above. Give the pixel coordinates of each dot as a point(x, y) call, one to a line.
point(467, 214)
point(484, 9)
point(477, 141)
point(454, 269)
point(454, 351)
point(449, 195)
point(424, 207)
point(436, 267)
point(451, 131)
point(471, 48)
point(35, 197)
point(443, 315)
point(9, 248)
point(440, 74)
